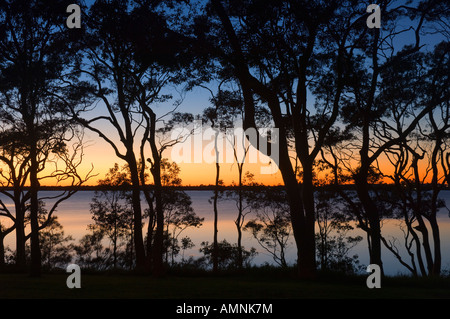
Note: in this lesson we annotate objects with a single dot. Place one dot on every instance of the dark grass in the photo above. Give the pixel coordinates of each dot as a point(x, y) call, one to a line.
point(253, 284)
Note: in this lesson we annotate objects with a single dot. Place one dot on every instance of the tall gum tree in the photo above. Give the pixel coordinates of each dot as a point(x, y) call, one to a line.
point(36, 51)
point(272, 50)
point(129, 58)
point(366, 113)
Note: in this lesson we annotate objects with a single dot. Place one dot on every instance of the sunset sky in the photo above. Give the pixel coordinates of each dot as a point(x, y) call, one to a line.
point(100, 155)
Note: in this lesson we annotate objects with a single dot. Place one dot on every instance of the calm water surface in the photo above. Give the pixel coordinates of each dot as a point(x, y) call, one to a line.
point(74, 215)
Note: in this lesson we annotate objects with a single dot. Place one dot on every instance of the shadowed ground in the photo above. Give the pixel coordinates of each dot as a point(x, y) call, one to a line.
point(220, 287)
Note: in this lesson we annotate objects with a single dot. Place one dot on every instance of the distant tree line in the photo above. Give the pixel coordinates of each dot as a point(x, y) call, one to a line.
point(358, 105)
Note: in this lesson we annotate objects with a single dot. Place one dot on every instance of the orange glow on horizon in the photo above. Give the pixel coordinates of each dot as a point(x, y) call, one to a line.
point(100, 157)
point(197, 174)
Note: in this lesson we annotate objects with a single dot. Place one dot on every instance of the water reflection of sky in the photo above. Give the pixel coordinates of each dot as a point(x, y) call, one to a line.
point(74, 215)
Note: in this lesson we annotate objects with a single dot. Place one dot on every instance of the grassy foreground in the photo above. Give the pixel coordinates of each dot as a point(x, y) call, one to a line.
point(253, 286)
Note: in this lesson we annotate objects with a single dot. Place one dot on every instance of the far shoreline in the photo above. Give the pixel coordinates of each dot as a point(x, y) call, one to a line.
point(204, 187)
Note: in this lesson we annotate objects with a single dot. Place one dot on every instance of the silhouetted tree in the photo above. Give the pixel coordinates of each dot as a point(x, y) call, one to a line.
point(36, 53)
point(244, 197)
point(157, 164)
point(220, 116)
point(128, 54)
point(272, 226)
point(56, 250)
point(420, 159)
point(283, 52)
point(273, 50)
point(3, 232)
point(108, 52)
point(90, 253)
point(333, 239)
point(111, 209)
point(369, 115)
point(14, 174)
point(228, 255)
point(227, 112)
point(186, 243)
point(177, 207)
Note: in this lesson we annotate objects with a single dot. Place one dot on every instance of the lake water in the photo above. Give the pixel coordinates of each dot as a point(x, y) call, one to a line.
point(74, 215)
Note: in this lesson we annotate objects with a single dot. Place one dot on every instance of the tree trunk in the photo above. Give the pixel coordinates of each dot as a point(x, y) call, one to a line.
point(150, 230)
point(307, 262)
point(436, 269)
point(302, 225)
point(20, 232)
point(151, 213)
point(215, 255)
point(2, 251)
point(422, 227)
point(370, 209)
point(158, 248)
point(158, 244)
point(35, 269)
point(137, 212)
point(115, 242)
point(240, 257)
point(302, 229)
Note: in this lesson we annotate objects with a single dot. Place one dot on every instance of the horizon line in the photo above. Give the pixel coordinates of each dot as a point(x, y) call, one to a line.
point(200, 186)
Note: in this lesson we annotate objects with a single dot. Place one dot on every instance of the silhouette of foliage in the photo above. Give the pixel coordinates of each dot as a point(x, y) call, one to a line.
point(228, 255)
point(333, 240)
point(56, 247)
point(272, 225)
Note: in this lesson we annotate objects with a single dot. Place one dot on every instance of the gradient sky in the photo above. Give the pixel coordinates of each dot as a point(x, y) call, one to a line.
point(101, 155)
